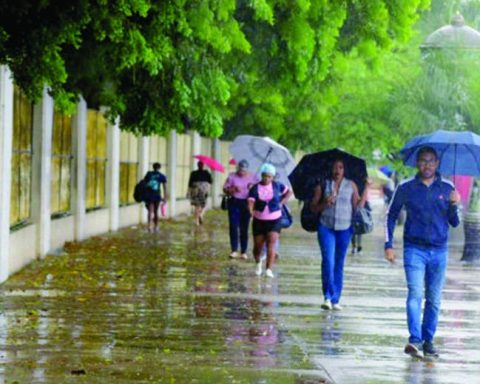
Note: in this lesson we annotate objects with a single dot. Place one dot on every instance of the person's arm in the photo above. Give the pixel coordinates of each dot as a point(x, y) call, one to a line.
point(318, 204)
point(209, 179)
point(355, 197)
point(190, 180)
point(165, 194)
point(250, 201)
point(227, 186)
point(454, 209)
point(391, 219)
point(286, 194)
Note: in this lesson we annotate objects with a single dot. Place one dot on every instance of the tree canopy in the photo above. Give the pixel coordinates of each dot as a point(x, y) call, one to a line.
point(216, 66)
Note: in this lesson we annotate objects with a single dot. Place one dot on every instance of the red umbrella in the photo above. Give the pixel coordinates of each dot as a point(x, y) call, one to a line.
point(232, 162)
point(213, 164)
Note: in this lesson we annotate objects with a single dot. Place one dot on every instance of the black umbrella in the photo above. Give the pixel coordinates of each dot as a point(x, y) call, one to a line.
point(314, 168)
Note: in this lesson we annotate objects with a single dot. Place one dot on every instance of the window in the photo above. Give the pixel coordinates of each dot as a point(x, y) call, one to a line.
point(96, 159)
point(128, 167)
point(158, 153)
point(21, 187)
point(184, 161)
point(61, 164)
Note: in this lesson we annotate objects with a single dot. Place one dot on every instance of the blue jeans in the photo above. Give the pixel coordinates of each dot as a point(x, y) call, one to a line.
point(239, 219)
point(333, 245)
point(425, 272)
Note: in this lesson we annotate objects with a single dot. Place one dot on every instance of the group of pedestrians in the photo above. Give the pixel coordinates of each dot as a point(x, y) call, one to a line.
point(431, 205)
point(261, 199)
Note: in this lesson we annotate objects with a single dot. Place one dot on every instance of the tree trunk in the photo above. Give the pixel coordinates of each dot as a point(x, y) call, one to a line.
point(471, 249)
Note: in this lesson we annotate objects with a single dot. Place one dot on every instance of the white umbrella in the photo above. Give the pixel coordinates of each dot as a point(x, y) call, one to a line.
point(258, 150)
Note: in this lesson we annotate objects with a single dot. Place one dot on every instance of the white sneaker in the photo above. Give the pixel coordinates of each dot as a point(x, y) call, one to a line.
point(258, 269)
point(327, 304)
point(244, 256)
point(269, 273)
point(337, 307)
point(233, 255)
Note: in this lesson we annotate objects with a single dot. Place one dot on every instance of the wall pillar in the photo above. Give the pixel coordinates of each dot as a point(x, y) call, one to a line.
point(80, 169)
point(196, 141)
point(6, 137)
point(41, 171)
point(143, 168)
point(113, 174)
point(171, 173)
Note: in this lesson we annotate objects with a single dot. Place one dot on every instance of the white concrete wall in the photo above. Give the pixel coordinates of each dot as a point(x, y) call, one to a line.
point(22, 248)
point(19, 247)
point(61, 230)
point(130, 214)
point(97, 222)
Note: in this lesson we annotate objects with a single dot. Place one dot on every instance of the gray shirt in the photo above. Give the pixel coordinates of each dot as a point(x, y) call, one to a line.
point(339, 215)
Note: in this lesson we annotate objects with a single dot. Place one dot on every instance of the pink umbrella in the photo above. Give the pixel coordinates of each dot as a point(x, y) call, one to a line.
point(213, 164)
point(232, 162)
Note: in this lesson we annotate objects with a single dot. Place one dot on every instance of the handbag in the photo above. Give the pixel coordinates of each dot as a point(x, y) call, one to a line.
point(286, 220)
point(362, 221)
point(224, 203)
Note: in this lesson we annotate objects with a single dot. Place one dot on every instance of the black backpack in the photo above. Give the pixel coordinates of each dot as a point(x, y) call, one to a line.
point(139, 191)
point(308, 218)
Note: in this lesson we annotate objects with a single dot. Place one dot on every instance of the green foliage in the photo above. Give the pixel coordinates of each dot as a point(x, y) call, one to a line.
point(216, 66)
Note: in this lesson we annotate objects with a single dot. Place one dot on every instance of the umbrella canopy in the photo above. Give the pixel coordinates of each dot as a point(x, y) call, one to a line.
point(213, 164)
point(377, 175)
point(314, 168)
point(458, 152)
point(258, 150)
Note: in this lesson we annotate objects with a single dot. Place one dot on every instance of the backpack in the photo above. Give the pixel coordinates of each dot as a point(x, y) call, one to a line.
point(140, 190)
point(308, 218)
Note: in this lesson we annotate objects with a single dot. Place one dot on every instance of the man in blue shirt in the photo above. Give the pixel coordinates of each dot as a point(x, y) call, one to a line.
point(431, 203)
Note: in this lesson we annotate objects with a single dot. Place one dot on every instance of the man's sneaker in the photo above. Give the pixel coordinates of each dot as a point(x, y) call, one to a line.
point(244, 256)
point(359, 250)
point(258, 269)
point(269, 273)
point(233, 255)
point(327, 304)
point(414, 349)
point(337, 307)
point(429, 349)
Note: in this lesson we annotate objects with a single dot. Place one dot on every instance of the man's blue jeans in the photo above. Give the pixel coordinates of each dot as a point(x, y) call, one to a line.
point(425, 272)
point(334, 246)
point(239, 219)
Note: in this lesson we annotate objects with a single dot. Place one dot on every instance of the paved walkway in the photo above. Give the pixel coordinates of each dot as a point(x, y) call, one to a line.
point(171, 308)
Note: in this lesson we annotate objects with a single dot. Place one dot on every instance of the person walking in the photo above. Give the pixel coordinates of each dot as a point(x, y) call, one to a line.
point(431, 203)
point(153, 196)
point(335, 203)
point(236, 187)
point(198, 188)
point(265, 201)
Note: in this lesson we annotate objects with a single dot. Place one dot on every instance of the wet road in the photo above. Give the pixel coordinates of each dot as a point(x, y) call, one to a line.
point(171, 308)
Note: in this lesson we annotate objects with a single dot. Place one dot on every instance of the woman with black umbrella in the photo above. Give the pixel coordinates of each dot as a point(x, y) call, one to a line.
point(335, 201)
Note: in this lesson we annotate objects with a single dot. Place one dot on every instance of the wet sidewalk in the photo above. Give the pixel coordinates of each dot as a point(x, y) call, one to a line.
point(172, 308)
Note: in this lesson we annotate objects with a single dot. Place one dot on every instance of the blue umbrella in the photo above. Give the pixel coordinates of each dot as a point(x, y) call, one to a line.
point(458, 152)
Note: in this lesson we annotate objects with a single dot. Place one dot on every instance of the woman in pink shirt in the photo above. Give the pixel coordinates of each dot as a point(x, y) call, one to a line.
point(237, 186)
point(265, 203)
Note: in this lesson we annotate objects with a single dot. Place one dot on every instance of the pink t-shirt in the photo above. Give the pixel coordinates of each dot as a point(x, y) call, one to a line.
point(243, 183)
point(265, 193)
